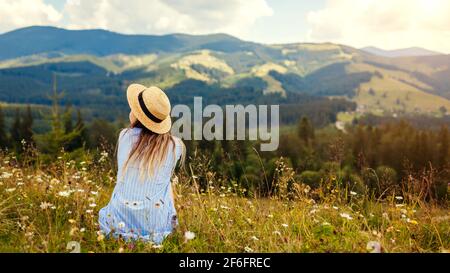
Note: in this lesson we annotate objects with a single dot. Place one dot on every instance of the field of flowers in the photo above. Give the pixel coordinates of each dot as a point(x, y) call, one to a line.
point(54, 207)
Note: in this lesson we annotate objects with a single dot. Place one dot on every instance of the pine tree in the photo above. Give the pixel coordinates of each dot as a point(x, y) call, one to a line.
point(57, 138)
point(444, 146)
point(3, 137)
point(16, 137)
point(26, 127)
point(82, 138)
point(305, 130)
point(67, 117)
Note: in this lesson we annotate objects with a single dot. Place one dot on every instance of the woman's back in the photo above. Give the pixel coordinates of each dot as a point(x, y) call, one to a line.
point(141, 206)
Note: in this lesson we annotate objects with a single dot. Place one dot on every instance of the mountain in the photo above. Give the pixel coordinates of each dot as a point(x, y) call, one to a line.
point(94, 67)
point(404, 52)
point(41, 39)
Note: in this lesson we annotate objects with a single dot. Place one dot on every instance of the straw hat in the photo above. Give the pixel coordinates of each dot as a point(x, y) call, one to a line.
point(151, 106)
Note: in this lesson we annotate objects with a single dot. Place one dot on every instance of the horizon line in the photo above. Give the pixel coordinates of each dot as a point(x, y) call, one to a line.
point(222, 33)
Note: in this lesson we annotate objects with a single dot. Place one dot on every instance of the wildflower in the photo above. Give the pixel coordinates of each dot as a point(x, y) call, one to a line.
point(326, 224)
point(399, 197)
point(121, 225)
point(254, 238)
point(82, 230)
point(45, 205)
point(54, 181)
point(353, 193)
point(10, 190)
point(72, 231)
point(72, 221)
point(285, 225)
point(121, 250)
point(373, 247)
point(346, 216)
point(157, 246)
point(248, 249)
point(64, 193)
point(93, 205)
point(399, 205)
point(6, 175)
point(100, 237)
point(414, 222)
point(89, 211)
point(189, 235)
point(270, 216)
point(336, 208)
point(94, 192)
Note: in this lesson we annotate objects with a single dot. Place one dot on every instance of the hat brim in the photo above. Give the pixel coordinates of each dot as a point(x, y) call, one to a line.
point(133, 92)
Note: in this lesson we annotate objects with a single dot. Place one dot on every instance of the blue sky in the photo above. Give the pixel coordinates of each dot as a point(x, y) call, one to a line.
point(388, 24)
point(288, 22)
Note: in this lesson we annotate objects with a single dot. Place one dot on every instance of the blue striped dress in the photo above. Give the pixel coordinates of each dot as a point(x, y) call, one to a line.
point(141, 209)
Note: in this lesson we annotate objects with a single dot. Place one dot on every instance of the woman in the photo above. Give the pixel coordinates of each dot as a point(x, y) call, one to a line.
point(142, 204)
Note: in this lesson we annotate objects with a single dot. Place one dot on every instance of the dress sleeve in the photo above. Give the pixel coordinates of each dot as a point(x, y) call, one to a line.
point(120, 146)
point(179, 148)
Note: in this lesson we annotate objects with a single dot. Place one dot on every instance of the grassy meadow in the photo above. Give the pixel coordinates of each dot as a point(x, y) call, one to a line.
point(43, 207)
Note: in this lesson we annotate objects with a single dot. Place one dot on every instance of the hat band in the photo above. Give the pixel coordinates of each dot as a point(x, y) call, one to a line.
point(146, 111)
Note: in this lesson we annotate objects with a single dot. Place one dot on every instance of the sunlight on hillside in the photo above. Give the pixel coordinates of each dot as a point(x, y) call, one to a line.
point(205, 59)
point(394, 95)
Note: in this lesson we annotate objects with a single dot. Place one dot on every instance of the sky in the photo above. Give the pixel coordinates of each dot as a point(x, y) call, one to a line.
point(388, 24)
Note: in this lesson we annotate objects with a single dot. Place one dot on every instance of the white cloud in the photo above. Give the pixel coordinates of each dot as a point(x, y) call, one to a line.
point(159, 17)
point(20, 13)
point(388, 24)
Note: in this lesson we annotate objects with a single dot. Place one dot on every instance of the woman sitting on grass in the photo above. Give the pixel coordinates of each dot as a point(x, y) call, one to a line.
point(142, 204)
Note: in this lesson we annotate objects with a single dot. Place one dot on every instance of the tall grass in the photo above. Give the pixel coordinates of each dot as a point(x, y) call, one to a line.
point(54, 207)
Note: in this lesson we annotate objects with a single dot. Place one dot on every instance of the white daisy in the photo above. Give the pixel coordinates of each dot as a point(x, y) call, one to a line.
point(189, 235)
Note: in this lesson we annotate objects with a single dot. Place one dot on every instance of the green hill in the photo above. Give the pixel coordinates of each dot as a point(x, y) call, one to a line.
point(95, 66)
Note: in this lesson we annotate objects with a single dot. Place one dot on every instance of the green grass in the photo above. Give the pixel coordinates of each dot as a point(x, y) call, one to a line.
point(395, 91)
point(36, 215)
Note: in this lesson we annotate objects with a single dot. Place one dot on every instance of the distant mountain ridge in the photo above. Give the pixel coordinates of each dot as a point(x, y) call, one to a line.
point(94, 67)
point(42, 39)
point(404, 52)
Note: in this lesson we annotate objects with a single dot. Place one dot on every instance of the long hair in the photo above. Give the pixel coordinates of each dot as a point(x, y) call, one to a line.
point(150, 151)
